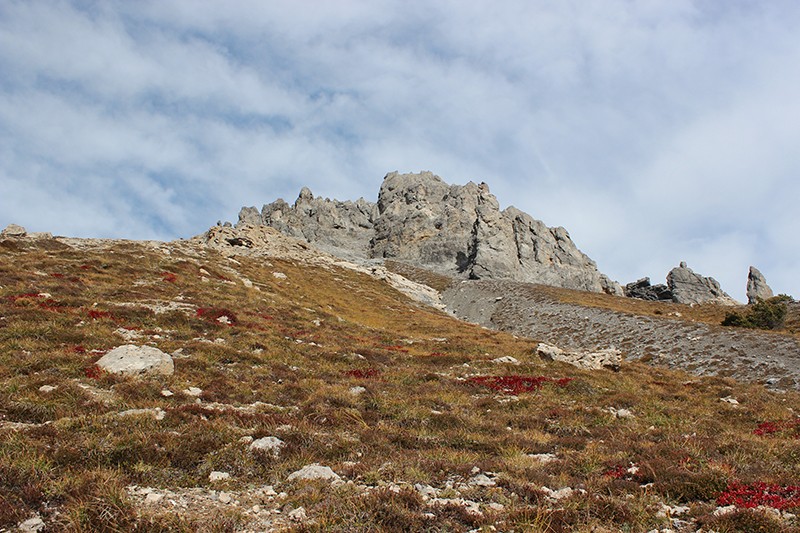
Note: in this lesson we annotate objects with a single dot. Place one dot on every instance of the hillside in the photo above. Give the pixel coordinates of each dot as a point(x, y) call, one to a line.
point(425, 422)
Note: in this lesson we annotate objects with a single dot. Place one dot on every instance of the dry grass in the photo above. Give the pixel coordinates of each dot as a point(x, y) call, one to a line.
point(299, 345)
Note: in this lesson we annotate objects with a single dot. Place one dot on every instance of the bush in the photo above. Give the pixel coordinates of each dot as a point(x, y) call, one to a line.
point(764, 314)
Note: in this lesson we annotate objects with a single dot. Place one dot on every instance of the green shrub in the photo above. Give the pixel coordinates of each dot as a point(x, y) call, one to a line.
point(764, 314)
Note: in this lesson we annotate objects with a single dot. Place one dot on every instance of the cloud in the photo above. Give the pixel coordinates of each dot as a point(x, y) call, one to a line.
point(654, 131)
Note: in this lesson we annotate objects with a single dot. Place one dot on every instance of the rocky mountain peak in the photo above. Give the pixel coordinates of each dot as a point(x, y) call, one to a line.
point(458, 230)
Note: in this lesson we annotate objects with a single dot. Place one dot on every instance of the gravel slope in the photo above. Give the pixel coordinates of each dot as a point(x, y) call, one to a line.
point(747, 355)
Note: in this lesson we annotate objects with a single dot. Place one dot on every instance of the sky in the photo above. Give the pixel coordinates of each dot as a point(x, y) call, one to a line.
point(655, 131)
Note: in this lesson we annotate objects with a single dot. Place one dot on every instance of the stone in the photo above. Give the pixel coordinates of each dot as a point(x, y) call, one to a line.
point(757, 288)
point(298, 515)
point(225, 498)
point(130, 359)
point(608, 358)
point(314, 472)
point(193, 392)
point(506, 360)
point(481, 480)
point(269, 445)
point(31, 525)
point(451, 229)
point(47, 388)
point(689, 287)
point(218, 476)
point(13, 231)
point(642, 290)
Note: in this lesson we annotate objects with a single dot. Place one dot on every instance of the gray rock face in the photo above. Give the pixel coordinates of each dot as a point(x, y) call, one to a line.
point(642, 290)
point(452, 229)
point(13, 230)
point(690, 288)
point(341, 228)
point(757, 288)
point(132, 359)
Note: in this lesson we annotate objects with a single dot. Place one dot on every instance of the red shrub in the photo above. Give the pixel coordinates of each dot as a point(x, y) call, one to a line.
point(755, 494)
point(788, 427)
point(24, 296)
point(94, 372)
point(216, 314)
point(516, 384)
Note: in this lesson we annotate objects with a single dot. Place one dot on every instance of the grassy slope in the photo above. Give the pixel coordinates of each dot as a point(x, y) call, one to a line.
point(295, 344)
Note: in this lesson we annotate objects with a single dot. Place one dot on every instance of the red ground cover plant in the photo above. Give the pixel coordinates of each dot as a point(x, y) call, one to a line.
point(215, 314)
point(516, 384)
point(756, 494)
point(783, 427)
point(627, 472)
point(363, 373)
point(95, 314)
point(169, 277)
point(78, 349)
point(24, 296)
point(94, 372)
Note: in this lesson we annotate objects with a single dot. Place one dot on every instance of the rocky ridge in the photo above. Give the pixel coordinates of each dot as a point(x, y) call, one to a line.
point(450, 229)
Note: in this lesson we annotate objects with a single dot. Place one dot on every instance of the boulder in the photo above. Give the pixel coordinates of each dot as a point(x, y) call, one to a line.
point(642, 290)
point(314, 472)
point(133, 360)
point(689, 287)
point(609, 358)
point(13, 231)
point(757, 288)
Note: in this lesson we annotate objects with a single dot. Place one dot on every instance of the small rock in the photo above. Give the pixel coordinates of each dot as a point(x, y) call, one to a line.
point(543, 458)
point(298, 515)
point(47, 388)
point(426, 491)
point(355, 391)
point(218, 476)
point(132, 360)
point(166, 393)
point(269, 445)
point(225, 498)
point(482, 480)
point(279, 275)
point(193, 391)
point(31, 525)
point(620, 413)
point(730, 400)
point(506, 360)
point(246, 439)
point(152, 498)
point(314, 471)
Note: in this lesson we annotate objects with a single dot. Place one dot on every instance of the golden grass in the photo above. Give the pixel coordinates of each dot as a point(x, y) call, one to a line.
point(299, 345)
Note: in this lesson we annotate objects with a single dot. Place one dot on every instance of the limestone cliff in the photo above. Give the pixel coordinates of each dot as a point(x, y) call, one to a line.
point(452, 229)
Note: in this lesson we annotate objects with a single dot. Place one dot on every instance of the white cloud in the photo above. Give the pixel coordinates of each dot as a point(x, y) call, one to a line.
point(655, 131)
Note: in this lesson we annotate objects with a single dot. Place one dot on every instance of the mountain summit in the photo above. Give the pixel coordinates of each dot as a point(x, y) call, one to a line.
point(458, 230)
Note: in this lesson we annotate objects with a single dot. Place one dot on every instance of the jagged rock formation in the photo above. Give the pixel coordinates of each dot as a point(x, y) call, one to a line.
point(688, 287)
point(451, 229)
point(642, 290)
point(341, 228)
point(757, 288)
point(684, 286)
